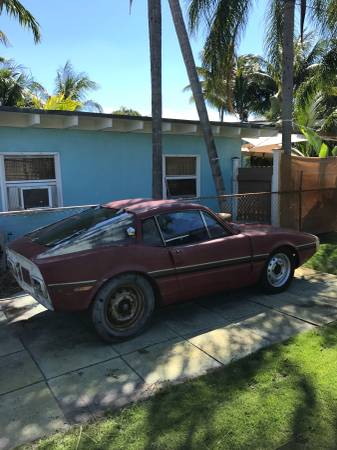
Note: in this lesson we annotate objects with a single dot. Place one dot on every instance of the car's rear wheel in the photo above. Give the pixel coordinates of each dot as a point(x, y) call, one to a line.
point(123, 307)
point(278, 271)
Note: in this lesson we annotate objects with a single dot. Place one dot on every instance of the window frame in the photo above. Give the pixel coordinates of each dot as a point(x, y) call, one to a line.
point(30, 183)
point(201, 213)
point(181, 177)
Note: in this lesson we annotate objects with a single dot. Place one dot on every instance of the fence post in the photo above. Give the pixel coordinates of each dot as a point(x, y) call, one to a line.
point(275, 187)
point(300, 202)
point(236, 164)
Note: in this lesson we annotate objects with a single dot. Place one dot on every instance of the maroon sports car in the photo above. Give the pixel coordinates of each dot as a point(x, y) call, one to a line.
point(124, 258)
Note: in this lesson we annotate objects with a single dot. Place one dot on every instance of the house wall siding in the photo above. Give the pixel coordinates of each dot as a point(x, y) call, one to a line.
point(98, 166)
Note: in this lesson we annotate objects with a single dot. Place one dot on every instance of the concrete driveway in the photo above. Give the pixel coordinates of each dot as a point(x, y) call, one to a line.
point(54, 371)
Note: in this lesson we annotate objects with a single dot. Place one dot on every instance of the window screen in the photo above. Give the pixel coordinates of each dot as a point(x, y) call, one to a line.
point(181, 165)
point(183, 227)
point(29, 168)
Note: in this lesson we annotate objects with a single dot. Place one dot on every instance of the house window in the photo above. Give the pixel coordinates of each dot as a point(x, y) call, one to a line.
point(181, 176)
point(30, 182)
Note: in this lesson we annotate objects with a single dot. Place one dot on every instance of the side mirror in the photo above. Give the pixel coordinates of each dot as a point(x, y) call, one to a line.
point(131, 232)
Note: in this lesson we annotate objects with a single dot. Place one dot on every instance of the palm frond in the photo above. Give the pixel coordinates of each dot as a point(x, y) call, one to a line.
point(224, 22)
point(91, 106)
point(4, 39)
point(15, 9)
point(273, 35)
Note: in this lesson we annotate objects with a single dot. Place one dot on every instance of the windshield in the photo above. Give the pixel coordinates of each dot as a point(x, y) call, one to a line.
point(62, 230)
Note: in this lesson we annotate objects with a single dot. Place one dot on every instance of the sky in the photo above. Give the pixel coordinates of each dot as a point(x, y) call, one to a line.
point(104, 40)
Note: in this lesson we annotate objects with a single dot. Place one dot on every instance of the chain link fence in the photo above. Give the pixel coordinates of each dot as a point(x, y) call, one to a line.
point(311, 210)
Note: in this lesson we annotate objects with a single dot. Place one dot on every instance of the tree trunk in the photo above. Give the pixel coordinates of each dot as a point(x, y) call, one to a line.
point(155, 33)
point(186, 51)
point(288, 74)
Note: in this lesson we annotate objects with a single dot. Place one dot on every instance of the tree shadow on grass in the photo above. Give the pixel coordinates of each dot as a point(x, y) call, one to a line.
point(223, 409)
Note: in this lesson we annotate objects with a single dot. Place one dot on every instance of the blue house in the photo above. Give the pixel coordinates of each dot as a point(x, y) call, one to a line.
point(53, 161)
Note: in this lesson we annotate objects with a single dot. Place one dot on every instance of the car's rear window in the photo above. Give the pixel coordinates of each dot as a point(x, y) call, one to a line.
point(73, 226)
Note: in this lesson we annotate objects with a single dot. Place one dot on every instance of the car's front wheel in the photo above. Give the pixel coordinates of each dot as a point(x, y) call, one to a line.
point(278, 271)
point(123, 307)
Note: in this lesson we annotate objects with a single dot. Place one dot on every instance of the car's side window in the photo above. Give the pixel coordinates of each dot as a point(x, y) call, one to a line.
point(182, 227)
point(150, 232)
point(215, 229)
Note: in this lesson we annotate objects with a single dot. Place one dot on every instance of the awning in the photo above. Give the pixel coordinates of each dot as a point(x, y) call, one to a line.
point(268, 144)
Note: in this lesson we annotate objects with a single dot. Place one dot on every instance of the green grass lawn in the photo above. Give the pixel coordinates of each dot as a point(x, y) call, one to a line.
point(281, 397)
point(325, 260)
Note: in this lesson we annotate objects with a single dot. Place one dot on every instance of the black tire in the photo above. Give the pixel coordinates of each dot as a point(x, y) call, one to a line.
point(272, 281)
point(123, 307)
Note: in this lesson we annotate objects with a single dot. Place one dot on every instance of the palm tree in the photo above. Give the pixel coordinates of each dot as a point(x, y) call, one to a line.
point(155, 41)
point(75, 86)
point(16, 10)
point(247, 91)
point(322, 76)
point(16, 84)
point(316, 97)
point(155, 34)
point(215, 91)
point(186, 51)
point(308, 58)
point(226, 21)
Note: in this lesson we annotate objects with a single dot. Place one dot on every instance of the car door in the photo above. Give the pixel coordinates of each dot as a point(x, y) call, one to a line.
point(158, 261)
point(207, 256)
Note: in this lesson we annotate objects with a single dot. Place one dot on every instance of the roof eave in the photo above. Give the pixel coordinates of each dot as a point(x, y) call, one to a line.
point(36, 118)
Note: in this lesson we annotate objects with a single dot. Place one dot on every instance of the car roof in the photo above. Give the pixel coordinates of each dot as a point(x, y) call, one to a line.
point(148, 206)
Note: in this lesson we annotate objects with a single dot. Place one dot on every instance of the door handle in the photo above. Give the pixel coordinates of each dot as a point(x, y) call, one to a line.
point(178, 251)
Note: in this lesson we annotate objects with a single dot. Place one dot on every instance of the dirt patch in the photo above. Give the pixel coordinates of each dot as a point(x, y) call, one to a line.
point(8, 285)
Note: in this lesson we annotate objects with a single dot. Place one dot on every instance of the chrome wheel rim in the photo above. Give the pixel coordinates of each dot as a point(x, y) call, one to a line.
point(125, 306)
point(278, 270)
